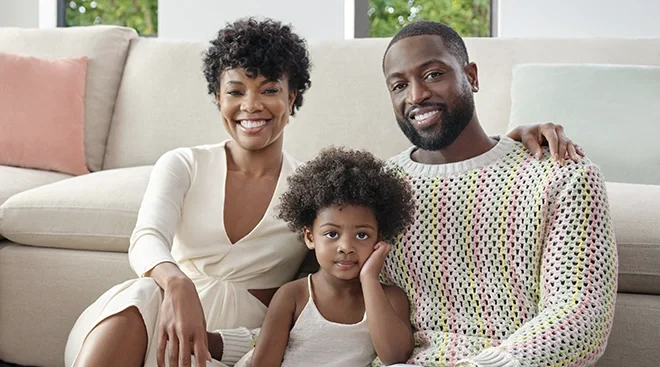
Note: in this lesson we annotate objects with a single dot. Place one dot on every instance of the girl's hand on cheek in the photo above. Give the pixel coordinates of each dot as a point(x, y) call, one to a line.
point(374, 264)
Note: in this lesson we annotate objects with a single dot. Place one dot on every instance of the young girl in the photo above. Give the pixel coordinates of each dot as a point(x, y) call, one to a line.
point(343, 203)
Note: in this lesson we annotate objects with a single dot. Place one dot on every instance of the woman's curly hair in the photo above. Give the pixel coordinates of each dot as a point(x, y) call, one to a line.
point(263, 47)
point(338, 176)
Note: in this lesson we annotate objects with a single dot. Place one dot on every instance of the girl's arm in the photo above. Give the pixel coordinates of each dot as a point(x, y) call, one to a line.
point(274, 334)
point(388, 312)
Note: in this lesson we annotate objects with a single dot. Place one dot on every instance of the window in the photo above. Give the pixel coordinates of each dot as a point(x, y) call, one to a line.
point(139, 14)
point(470, 18)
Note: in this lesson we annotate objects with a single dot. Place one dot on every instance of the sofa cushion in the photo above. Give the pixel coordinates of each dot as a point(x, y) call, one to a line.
point(97, 211)
point(49, 134)
point(153, 118)
point(605, 108)
point(635, 210)
point(14, 180)
point(106, 48)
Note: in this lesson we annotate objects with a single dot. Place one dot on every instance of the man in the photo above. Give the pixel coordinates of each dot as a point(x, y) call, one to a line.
point(511, 260)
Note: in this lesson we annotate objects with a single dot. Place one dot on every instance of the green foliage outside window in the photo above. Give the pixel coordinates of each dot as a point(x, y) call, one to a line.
point(139, 14)
point(470, 18)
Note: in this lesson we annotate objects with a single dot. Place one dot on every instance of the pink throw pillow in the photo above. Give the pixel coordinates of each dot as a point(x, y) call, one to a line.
point(42, 118)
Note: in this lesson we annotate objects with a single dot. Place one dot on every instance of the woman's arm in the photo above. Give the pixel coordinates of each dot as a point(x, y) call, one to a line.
point(182, 325)
point(388, 312)
point(274, 334)
point(533, 136)
point(160, 213)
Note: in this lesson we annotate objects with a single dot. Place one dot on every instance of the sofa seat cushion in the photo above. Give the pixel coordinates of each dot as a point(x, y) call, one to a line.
point(635, 210)
point(15, 179)
point(96, 211)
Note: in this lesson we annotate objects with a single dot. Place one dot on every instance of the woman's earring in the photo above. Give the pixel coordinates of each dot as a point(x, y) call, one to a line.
point(475, 88)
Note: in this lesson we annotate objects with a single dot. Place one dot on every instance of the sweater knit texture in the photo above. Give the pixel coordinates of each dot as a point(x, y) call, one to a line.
point(510, 261)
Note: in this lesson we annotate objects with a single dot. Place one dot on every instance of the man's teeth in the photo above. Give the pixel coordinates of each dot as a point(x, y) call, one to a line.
point(424, 116)
point(251, 124)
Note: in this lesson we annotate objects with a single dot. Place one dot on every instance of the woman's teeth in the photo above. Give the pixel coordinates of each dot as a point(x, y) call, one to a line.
point(251, 124)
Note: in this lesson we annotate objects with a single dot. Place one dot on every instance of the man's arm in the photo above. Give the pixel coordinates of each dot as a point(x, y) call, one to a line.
point(577, 283)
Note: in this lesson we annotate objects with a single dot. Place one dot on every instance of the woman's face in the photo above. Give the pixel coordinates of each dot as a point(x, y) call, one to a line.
point(254, 110)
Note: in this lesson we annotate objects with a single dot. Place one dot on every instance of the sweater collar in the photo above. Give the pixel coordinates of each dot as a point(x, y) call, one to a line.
point(503, 147)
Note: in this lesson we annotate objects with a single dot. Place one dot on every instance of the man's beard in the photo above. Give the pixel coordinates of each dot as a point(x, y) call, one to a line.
point(453, 122)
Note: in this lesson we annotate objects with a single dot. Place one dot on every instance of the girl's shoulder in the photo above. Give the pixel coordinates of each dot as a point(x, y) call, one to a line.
point(296, 289)
point(295, 295)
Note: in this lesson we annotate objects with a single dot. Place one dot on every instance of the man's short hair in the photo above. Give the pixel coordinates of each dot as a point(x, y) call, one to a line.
point(453, 41)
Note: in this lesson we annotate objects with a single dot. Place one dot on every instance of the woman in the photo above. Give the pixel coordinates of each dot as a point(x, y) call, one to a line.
point(206, 246)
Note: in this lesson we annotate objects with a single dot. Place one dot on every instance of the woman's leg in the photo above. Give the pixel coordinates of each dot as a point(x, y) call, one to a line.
point(119, 340)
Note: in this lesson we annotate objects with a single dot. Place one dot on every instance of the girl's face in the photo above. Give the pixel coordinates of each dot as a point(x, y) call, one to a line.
point(343, 238)
point(254, 110)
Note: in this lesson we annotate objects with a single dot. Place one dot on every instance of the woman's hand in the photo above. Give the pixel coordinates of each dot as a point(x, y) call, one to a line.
point(374, 264)
point(535, 135)
point(182, 325)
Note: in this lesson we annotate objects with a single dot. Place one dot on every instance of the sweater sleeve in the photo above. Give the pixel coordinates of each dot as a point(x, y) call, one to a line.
point(578, 274)
point(237, 343)
point(160, 212)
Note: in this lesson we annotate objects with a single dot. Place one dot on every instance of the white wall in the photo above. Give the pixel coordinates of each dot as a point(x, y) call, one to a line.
point(313, 19)
point(47, 13)
point(28, 13)
point(578, 18)
point(19, 13)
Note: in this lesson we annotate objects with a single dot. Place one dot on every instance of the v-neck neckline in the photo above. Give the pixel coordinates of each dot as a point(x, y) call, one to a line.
point(275, 195)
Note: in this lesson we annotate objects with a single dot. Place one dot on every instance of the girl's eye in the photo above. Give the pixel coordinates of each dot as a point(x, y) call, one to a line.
point(271, 91)
point(362, 236)
point(234, 93)
point(332, 235)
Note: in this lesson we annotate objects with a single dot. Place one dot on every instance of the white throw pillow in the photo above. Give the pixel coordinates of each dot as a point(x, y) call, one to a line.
point(612, 111)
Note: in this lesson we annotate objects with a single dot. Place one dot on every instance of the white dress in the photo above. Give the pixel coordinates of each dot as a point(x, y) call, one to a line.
point(181, 221)
point(315, 341)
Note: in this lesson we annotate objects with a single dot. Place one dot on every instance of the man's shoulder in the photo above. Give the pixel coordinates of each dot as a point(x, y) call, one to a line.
point(560, 177)
point(548, 162)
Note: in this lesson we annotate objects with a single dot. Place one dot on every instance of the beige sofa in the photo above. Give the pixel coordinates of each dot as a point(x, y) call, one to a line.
point(66, 237)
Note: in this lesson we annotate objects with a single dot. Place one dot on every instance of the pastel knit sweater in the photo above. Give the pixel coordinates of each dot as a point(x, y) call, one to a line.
point(510, 261)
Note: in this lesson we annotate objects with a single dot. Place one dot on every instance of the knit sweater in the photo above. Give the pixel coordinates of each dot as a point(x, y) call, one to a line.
point(510, 261)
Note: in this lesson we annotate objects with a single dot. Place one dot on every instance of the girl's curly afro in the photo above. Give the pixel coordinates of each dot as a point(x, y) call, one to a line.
point(338, 176)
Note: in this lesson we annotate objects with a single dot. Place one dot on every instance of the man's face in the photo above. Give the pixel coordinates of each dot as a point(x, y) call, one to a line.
point(431, 92)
